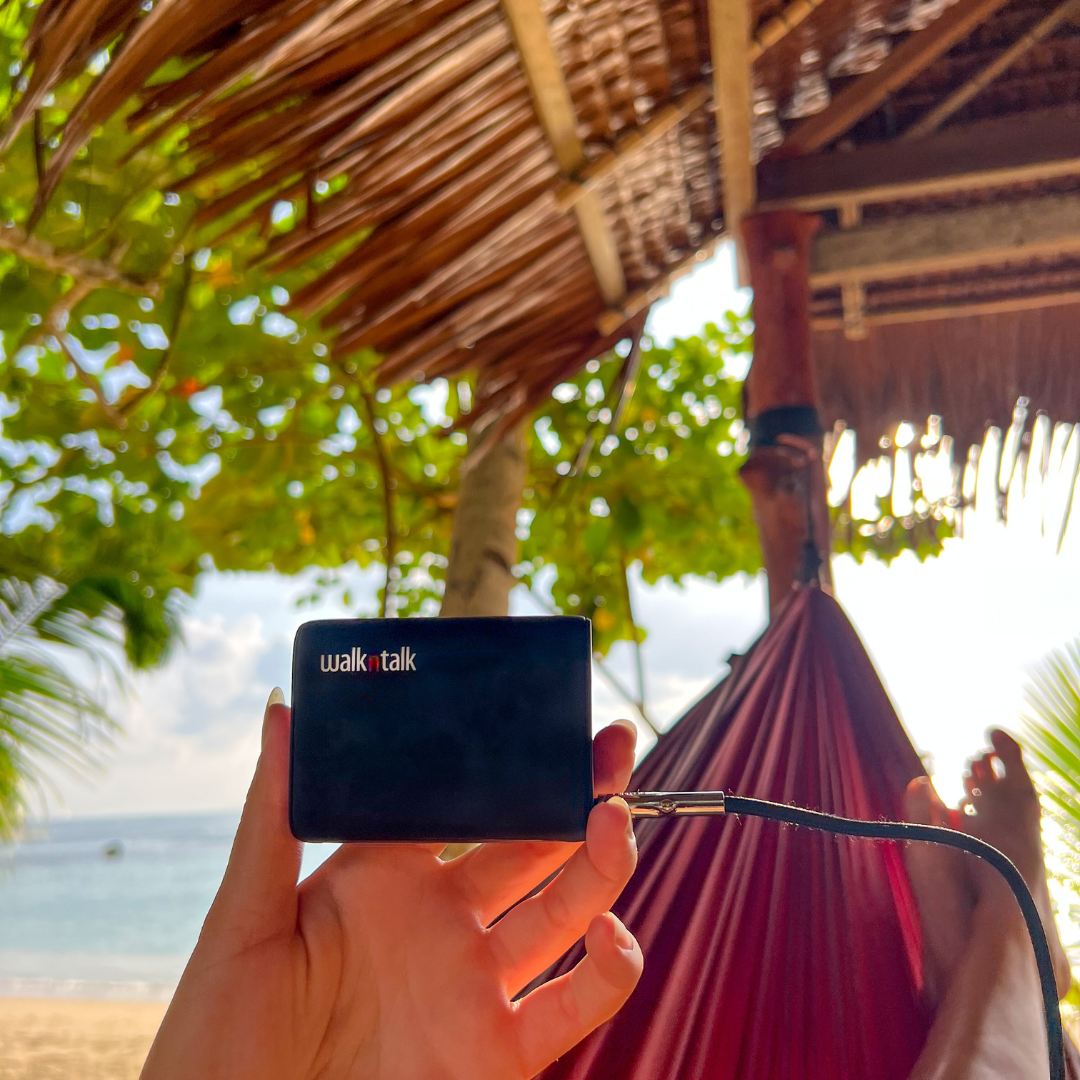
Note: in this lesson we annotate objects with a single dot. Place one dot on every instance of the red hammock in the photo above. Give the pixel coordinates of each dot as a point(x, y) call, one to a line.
point(773, 954)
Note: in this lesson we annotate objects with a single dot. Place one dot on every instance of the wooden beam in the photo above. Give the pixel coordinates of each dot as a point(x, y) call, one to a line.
point(638, 301)
point(991, 153)
point(729, 38)
point(868, 91)
point(853, 297)
point(603, 252)
point(963, 94)
point(1000, 306)
point(555, 110)
point(781, 24)
point(916, 244)
point(631, 144)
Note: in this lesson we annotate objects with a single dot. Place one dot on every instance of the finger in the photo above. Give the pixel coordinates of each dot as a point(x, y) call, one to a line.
point(496, 876)
point(559, 1014)
point(539, 930)
point(257, 897)
point(613, 757)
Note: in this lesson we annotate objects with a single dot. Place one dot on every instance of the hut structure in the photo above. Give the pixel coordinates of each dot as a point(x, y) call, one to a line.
point(526, 178)
point(531, 174)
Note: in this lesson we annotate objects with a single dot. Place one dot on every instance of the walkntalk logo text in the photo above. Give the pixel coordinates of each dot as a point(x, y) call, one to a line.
point(356, 660)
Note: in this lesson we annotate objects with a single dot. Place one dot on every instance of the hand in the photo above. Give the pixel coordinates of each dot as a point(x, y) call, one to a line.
point(387, 963)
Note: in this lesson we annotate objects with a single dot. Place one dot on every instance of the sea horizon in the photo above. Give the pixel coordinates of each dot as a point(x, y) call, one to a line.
point(110, 906)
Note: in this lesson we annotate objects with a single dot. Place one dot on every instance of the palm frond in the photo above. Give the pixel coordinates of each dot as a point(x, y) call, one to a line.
point(21, 604)
point(96, 609)
point(1052, 735)
point(46, 716)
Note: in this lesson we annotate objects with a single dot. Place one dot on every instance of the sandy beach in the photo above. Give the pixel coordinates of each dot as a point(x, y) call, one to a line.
point(72, 1039)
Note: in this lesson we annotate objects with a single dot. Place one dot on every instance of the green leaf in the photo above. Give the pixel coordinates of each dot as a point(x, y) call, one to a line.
point(596, 539)
point(45, 714)
point(1052, 738)
point(628, 523)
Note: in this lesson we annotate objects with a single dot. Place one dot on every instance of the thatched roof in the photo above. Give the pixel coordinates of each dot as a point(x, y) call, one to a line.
point(909, 371)
point(491, 238)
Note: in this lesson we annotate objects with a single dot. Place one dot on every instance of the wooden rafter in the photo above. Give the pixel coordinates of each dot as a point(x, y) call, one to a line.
point(638, 301)
point(868, 91)
point(555, 110)
point(962, 95)
point(596, 172)
point(1012, 232)
point(729, 38)
point(988, 154)
point(953, 310)
point(781, 24)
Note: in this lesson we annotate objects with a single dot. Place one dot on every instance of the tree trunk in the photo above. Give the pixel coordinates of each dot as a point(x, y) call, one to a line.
point(483, 544)
point(784, 472)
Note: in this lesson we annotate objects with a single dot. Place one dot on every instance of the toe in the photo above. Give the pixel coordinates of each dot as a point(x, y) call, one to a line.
point(1010, 755)
point(982, 769)
point(971, 786)
point(917, 801)
point(940, 814)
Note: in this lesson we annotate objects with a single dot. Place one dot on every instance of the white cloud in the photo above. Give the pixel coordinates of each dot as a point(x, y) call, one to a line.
point(191, 729)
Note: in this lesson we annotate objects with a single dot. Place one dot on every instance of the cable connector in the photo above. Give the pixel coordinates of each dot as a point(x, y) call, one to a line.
point(653, 804)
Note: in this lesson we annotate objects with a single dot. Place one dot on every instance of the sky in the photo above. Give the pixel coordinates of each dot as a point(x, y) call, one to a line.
point(954, 640)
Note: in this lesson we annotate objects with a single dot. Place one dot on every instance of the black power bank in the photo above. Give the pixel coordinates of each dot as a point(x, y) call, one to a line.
point(441, 730)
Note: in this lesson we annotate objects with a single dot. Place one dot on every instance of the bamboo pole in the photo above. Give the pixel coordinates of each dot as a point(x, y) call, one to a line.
point(781, 24)
point(962, 95)
point(953, 310)
point(638, 301)
point(868, 91)
point(729, 37)
point(555, 110)
point(596, 172)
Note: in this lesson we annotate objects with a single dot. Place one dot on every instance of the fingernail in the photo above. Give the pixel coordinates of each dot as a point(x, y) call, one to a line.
point(623, 938)
point(276, 698)
point(629, 819)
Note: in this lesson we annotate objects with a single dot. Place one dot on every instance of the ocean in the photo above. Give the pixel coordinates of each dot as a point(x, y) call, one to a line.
point(110, 907)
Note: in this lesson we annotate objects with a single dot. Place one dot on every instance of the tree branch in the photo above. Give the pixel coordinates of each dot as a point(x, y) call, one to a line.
point(388, 496)
point(112, 413)
point(637, 640)
point(39, 147)
point(90, 272)
point(162, 368)
point(56, 324)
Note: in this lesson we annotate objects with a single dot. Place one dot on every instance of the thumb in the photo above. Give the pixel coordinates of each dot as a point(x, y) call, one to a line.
point(257, 898)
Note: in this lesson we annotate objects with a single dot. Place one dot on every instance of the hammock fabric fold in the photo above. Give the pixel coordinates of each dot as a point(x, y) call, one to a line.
point(772, 953)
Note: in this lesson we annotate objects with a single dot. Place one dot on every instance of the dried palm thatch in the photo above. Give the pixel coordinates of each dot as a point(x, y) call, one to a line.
point(470, 260)
point(908, 371)
point(470, 256)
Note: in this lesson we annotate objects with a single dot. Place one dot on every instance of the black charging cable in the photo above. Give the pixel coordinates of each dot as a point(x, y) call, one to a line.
point(656, 804)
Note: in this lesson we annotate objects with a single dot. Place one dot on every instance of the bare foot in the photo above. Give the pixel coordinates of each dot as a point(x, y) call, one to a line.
point(943, 890)
point(1003, 809)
